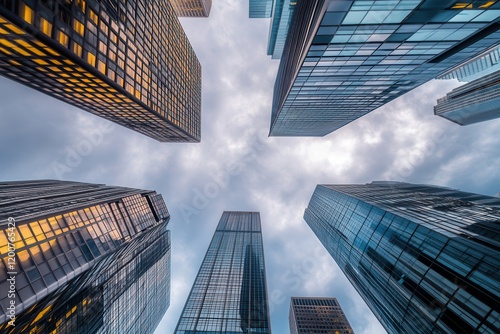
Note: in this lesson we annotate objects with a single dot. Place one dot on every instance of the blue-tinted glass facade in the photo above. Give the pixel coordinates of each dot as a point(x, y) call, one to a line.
point(313, 315)
point(280, 23)
point(345, 58)
point(260, 8)
point(474, 102)
point(229, 294)
point(425, 259)
point(89, 258)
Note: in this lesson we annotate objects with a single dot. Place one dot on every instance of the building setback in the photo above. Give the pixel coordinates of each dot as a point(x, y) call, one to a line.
point(314, 315)
point(345, 58)
point(89, 258)
point(229, 294)
point(424, 258)
point(128, 62)
point(280, 24)
point(192, 8)
point(474, 102)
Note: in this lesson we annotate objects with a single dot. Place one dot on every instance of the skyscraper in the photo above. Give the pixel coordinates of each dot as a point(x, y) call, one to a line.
point(474, 102)
point(88, 258)
point(229, 294)
point(192, 8)
point(128, 62)
point(424, 258)
point(260, 8)
point(312, 315)
point(280, 24)
point(344, 58)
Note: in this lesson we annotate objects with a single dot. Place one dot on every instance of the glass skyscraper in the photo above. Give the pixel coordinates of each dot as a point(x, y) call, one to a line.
point(192, 8)
point(280, 24)
point(260, 8)
point(313, 315)
point(229, 294)
point(474, 102)
point(88, 258)
point(345, 58)
point(425, 259)
point(129, 62)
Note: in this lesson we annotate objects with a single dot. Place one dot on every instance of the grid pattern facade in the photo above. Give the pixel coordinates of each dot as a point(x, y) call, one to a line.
point(260, 8)
point(310, 315)
point(345, 58)
point(484, 64)
point(280, 23)
point(128, 62)
point(192, 8)
point(475, 102)
point(229, 294)
point(63, 230)
point(424, 258)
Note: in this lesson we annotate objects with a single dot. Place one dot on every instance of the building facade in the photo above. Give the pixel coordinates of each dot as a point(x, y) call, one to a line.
point(88, 258)
point(192, 8)
point(229, 294)
point(313, 315)
point(260, 8)
point(343, 59)
point(128, 62)
point(280, 24)
point(474, 102)
point(424, 258)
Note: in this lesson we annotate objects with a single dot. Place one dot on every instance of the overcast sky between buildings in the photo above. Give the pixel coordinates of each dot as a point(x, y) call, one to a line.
point(401, 141)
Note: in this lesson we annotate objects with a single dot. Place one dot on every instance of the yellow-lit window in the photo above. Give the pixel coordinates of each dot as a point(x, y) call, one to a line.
point(488, 4)
point(26, 13)
point(45, 26)
point(91, 58)
point(93, 16)
point(101, 66)
point(77, 49)
point(79, 27)
point(63, 39)
point(81, 4)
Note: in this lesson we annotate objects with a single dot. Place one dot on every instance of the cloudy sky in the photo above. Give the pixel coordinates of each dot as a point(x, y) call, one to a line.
point(401, 141)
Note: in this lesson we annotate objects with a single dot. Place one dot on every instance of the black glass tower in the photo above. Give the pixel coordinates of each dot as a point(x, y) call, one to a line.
point(229, 294)
point(317, 315)
point(88, 258)
point(425, 259)
point(129, 62)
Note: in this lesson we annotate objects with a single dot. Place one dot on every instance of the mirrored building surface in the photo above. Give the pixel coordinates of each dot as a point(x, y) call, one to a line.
point(192, 8)
point(260, 8)
point(345, 58)
point(89, 258)
point(280, 24)
point(229, 294)
point(425, 259)
point(474, 102)
point(317, 315)
point(129, 62)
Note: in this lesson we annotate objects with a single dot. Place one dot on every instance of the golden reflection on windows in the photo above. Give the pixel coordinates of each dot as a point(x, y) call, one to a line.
point(77, 49)
point(45, 27)
point(78, 27)
point(63, 38)
point(26, 13)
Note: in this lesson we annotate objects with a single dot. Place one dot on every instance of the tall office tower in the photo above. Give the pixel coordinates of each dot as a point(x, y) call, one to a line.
point(312, 315)
point(190, 8)
point(260, 8)
point(479, 66)
point(128, 62)
point(88, 258)
point(474, 102)
point(345, 58)
point(229, 294)
point(280, 24)
point(424, 258)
